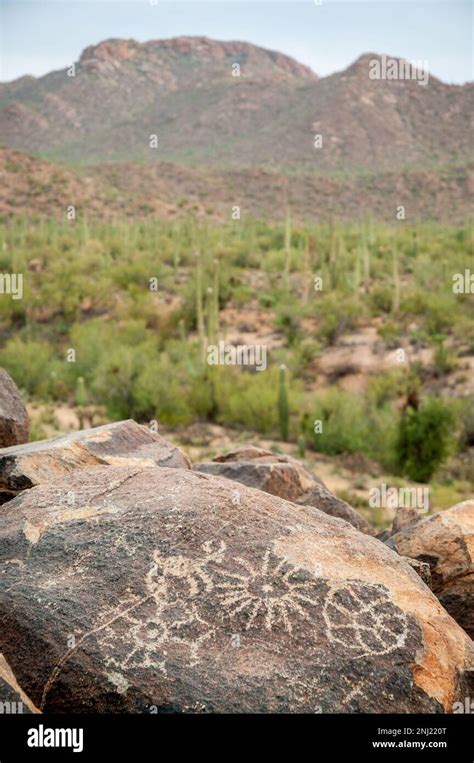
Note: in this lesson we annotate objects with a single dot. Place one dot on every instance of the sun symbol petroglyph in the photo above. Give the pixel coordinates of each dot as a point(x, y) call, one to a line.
point(363, 620)
point(268, 593)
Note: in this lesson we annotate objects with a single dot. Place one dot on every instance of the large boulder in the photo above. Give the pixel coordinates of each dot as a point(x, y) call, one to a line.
point(14, 424)
point(168, 590)
point(119, 444)
point(446, 542)
point(285, 477)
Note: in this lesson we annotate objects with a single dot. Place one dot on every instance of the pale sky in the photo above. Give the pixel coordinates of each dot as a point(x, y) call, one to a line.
point(38, 36)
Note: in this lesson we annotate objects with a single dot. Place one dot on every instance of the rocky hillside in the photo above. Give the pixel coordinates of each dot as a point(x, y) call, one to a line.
point(183, 90)
point(126, 190)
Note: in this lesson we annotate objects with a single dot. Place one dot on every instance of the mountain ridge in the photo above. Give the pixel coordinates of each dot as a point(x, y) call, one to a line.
point(183, 91)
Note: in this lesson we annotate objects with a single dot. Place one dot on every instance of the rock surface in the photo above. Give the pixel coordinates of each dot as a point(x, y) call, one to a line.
point(14, 424)
point(285, 477)
point(13, 699)
point(446, 542)
point(422, 569)
point(119, 444)
point(170, 590)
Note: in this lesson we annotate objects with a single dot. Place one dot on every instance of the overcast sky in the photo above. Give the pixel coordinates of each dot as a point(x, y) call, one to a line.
point(38, 37)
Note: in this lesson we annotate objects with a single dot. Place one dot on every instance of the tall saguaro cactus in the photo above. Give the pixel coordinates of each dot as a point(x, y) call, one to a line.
point(396, 282)
point(283, 411)
point(210, 315)
point(199, 300)
point(287, 246)
point(366, 260)
point(216, 296)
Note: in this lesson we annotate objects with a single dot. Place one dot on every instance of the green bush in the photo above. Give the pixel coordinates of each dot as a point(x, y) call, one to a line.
point(30, 364)
point(351, 424)
point(337, 316)
point(425, 439)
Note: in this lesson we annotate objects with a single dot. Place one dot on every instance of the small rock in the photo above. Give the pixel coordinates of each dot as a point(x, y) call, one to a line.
point(446, 542)
point(285, 477)
point(404, 517)
point(122, 443)
point(422, 569)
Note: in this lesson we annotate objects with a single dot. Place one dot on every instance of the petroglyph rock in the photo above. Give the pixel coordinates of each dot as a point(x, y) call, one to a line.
point(14, 425)
point(119, 444)
point(170, 590)
point(446, 542)
point(285, 477)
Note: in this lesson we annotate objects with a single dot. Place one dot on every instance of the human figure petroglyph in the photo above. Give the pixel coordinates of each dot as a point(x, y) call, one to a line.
point(193, 573)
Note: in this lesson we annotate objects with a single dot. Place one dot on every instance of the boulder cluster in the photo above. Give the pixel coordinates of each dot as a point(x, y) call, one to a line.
point(132, 581)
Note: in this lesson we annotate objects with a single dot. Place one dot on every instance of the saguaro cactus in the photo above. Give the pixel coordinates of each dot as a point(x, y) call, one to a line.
point(199, 307)
point(210, 314)
point(287, 246)
point(216, 296)
point(283, 412)
point(396, 282)
point(80, 400)
point(81, 394)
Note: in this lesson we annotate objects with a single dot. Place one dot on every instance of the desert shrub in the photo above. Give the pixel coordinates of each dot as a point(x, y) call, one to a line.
point(267, 301)
point(444, 361)
point(424, 439)
point(386, 386)
point(466, 417)
point(249, 399)
point(158, 392)
point(304, 353)
point(351, 424)
point(115, 378)
point(337, 316)
point(381, 299)
point(390, 333)
point(29, 363)
point(288, 322)
point(439, 312)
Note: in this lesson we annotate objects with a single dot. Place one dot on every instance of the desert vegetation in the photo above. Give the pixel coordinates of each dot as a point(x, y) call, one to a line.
point(119, 317)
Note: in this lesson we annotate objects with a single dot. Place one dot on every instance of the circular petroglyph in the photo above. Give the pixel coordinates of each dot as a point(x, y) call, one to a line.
point(363, 620)
point(267, 593)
